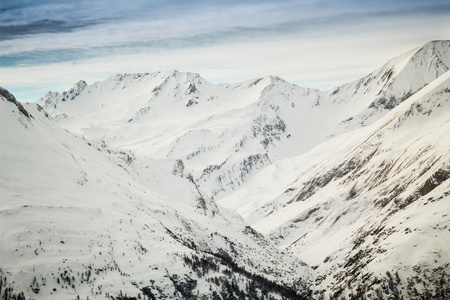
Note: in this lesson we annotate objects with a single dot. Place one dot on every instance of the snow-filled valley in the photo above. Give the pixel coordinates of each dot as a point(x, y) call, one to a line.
point(165, 186)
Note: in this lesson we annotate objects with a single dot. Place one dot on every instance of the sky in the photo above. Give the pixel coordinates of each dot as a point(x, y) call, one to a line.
point(49, 45)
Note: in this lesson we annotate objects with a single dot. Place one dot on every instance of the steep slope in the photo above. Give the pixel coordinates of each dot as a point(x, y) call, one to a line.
point(364, 101)
point(79, 219)
point(226, 133)
point(354, 181)
point(223, 133)
point(371, 214)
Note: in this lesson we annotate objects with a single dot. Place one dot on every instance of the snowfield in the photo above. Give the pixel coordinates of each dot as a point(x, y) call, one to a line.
point(81, 219)
point(165, 186)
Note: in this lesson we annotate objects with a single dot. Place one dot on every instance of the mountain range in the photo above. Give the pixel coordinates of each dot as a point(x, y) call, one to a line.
point(165, 186)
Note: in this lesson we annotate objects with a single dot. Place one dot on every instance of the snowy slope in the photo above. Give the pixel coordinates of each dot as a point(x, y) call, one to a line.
point(223, 133)
point(364, 101)
point(353, 181)
point(372, 214)
point(81, 219)
point(226, 133)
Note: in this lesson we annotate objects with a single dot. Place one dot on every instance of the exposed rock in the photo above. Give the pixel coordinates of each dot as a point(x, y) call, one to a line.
point(10, 97)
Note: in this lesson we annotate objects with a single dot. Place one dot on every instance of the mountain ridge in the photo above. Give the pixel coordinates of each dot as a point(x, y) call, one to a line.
point(365, 185)
point(275, 110)
point(246, 180)
point(93, 224)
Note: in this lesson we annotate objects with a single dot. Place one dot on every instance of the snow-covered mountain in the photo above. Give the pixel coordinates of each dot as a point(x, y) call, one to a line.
point(353, 181)
point(223, 133)
point(366, 204)
point(80, 219)
point(370, 97)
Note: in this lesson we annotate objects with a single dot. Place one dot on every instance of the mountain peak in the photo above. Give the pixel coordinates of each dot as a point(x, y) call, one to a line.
point(76, 87)
point(127, 204)
point(437, 43)
point(435, 55)
point(74, 91)
point(385, 88)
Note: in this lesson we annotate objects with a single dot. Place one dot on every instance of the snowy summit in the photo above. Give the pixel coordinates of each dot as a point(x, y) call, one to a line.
point(166, 186)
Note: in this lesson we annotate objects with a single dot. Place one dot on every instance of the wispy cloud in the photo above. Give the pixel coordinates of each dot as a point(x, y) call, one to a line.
point(317, 43)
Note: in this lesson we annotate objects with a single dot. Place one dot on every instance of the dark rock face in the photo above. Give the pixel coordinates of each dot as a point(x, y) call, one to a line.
point(75, 91)
point(9, 97)
point(347, 168)
point(388, 102)
point(184, 287)
point(435, 180)
point(268, 130)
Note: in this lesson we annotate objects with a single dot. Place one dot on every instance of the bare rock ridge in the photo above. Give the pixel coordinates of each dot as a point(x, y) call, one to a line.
point(165, 186)
point(6, 95)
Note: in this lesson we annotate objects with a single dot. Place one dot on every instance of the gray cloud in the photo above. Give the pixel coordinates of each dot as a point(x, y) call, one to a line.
point(38, 27)
point(222, 40)
point(212, 20)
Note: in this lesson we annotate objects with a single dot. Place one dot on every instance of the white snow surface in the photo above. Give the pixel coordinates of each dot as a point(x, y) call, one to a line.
point(81, 219)
point(353, 181)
